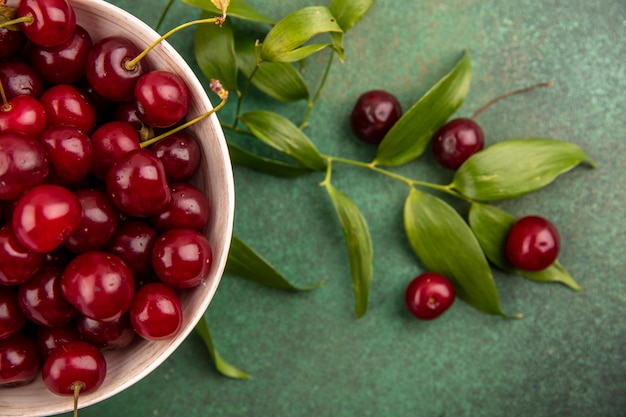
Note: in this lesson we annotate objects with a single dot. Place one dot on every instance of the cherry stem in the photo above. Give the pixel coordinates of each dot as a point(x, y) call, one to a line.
point(5, 103)
point(509, 94)
point(131, 64)
point(77, 387)
point(28, 19)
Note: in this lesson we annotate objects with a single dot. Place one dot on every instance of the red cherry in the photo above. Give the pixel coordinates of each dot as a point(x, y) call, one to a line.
point(429, 295)
point(107, 335)
point(374, 114)
point(133, 242)
point(162, 98)
point(110, 142)
point(456, 141)
point(69, 152)
point(17, 263)
point(532, 243)
point(23, 114)
point(23, 163)
point(180, 154)
point(53, 22)
point(19, 360)
point(20, 79)
point(75, 362)
point(12, 319)
point(67, 105)
point(188, 208)
point(156, 313)
point(49, 338)
point(11, 43)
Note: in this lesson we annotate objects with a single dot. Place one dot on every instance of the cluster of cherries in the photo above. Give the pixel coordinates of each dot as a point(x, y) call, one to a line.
point(98, 233)
point(532, 243)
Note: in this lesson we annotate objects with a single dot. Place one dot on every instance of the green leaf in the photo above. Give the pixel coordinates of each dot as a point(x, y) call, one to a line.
point(516, 167)
point(411, 134)
point(280, 133)
point(221, 365)
point(349, 12)
point(279, 80)
point(237, 8)
point(444, 243)
point(359, 244)
point(291, 32)
point(299, 54)
point(245, 263)
point(214, 48)
point(244, 158)
point(491, 226)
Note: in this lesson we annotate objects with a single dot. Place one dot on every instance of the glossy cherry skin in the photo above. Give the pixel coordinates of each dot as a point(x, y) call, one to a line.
point(53, 23)
point(74, 362)
point(106, 68)
point(49, 338)
point(374, 114)
point(70, 154)
point(45, 216)
point(188, 208)
point(106, 335)
point(429, 295)
point(156, 313)
point(180, 154)
point(18, 78)
point(23, 164)
point(532, 244)
point(25, 115)
point(110, 142)
point(12, 319)
point(132, 242)
point(182, 258)
point(137, 184)
point(11, 43)
point(127, 112)
point(17, 263)
point(67, 105)
point(456, 141)
point(19, 360)
point(99, 285)
point(162, 98)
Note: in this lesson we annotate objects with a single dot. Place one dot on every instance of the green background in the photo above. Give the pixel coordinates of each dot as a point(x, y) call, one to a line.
point(306, 352)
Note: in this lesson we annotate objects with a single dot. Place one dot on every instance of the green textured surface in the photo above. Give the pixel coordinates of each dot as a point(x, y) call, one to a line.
point(307, 353)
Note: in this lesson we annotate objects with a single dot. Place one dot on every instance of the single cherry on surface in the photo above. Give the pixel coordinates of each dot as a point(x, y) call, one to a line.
point(374, 114)
point(429, 295)
point(76, 364)
point(532, 244)
point(456, 141)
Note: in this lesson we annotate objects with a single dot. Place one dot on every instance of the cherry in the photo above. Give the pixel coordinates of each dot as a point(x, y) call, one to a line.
point(69, 152)
point(12, 319)
point(20, 79)
point(23, 164)
point(456, 141)
point(180, 154)
point(429, 295)
point(17, 263)
point(19, 360)
point(107, 335)
point(127, 112)
point(49, 338)
point(137, 184)
point(374, 114)
point(47, 22)
point(99, 285)
point(110, 142)
point(532, 243)
point(181, 258)
point(156, 313)
point(45, 216)
point(67, 105)
point(162, 98)
point(23, 114)
point(133, 242)
point(76, 365)
point(41, 299)
point(11, 43)
point(188, 208)
point(65, 63)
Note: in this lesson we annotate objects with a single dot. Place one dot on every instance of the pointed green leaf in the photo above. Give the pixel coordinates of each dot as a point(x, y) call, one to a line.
point(299, 54)
point(237, 8)
point(349, 12)
point(491, 226)
point(359, 244)
point(295, 29)
point(245, 263)
point(280, 133)
point(411, 134)
point(279, 80)
point(244, 158)
point(214, 48)
point(516, 167)
point(221, 365)
point(444, 243)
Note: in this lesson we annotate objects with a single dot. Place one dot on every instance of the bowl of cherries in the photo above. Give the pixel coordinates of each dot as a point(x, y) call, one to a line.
point(116, 203)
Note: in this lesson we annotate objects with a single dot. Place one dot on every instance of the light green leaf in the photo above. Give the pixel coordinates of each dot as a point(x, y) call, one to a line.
point(244, 158)
point(245, 263)
point(221, 365)
point(236, 8)
point(411, 134)
point(349, 12)
point(491, 226)
point(279, 80)
point(444, 243)
point(280, 133)
point(516, 167)
point(299, 54)
point(291, 32)
point(214, 49)
point(359, 244)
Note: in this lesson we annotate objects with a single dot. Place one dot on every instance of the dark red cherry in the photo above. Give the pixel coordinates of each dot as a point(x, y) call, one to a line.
point(156, 313)
point(45, 216)
point(107, 335)
point(182, 258)
point(67, 105)
point(429, 295)
point(99, 285)
point(23, 163)
point(188, 208)
point(133, 242)
point(75, 362)
point(456, 141)
point(180, 155)
point(12, 319)
point(110, 142)
point(11, 43)
point(374, 114)
point(17, 263)
point(162, 98)
point(106, 68)
point(532, 244)
point(65, 63)
point(49, 338)
point(127, 112)
point(19, 360)
point(69, 152)
point(23, 114)
point(53, 21)
point(137, 184)
point(20, 79)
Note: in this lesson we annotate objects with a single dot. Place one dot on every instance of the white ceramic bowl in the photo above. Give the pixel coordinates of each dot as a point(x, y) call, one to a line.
point(128, 366)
